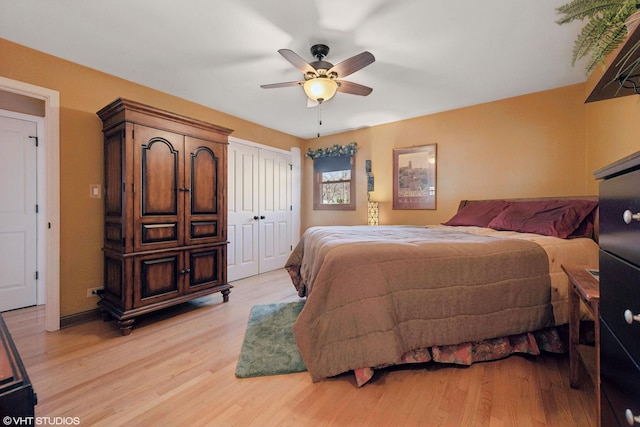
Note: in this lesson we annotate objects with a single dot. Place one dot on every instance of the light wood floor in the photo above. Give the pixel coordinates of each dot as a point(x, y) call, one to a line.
point(177, 369)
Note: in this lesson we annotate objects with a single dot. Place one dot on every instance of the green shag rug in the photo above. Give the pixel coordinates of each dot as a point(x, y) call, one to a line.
point(269, 347)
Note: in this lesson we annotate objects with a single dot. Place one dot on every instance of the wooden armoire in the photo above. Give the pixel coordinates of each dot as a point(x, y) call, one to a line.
point(164, 208)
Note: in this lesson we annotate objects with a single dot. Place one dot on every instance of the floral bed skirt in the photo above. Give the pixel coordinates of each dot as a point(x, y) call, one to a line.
point(549, 340)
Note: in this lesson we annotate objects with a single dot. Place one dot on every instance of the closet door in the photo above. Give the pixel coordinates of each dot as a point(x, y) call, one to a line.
point(275, 209)
point(243, 217)
point(259, 219)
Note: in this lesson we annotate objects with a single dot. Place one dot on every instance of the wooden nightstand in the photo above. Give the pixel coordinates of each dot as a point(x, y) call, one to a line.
point(586, 288)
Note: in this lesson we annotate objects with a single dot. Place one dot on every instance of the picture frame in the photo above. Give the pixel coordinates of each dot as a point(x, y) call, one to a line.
point(415, 177)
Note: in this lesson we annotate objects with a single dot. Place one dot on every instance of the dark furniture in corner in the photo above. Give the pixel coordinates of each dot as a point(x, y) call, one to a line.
point(620, 291)
point(165, 209)
point(17, 398)
point(609, 85)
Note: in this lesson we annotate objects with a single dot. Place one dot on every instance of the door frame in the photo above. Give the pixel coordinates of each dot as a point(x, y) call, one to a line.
point(49, 194)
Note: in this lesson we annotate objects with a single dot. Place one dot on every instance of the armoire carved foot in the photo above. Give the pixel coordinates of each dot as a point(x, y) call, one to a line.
point(126, 326)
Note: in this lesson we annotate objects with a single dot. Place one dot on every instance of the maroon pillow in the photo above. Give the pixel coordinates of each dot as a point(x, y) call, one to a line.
point(478, 213)
point(586, 227)
point(558, 218)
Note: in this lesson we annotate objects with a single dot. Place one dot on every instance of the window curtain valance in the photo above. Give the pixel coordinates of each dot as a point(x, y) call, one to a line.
point(335, 151)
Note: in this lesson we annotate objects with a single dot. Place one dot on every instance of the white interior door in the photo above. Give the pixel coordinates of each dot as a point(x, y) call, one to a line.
point(275, 209)
point(242, 219)
point(260, 215)
point(18, 220)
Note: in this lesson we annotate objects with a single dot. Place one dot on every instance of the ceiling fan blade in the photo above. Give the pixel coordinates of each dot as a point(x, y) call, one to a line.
point(297, 61)
point(353, 88)
point(353, 64)
point(284, 84)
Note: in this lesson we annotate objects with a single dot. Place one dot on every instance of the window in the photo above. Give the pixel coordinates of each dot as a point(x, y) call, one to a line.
point(334, 183)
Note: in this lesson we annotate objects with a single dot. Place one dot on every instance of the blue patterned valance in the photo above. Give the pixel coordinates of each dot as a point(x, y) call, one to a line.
point(335, 151)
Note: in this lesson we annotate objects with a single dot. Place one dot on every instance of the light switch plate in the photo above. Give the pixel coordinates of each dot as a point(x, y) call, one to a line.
point(95, 191)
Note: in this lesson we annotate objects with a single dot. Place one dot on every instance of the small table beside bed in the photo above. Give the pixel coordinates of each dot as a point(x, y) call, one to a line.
point(483, 285)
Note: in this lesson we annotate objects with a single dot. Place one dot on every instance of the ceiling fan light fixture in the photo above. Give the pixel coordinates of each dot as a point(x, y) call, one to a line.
point(322, 78)
point(320, 89)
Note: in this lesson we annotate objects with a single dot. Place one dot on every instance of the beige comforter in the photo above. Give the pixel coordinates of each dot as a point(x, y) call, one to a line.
point(375, 293)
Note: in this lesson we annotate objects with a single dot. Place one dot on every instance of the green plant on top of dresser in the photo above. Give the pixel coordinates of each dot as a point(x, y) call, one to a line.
point(608, 24)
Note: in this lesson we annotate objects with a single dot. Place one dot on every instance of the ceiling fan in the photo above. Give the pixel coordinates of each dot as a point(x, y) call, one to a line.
point(322, 78)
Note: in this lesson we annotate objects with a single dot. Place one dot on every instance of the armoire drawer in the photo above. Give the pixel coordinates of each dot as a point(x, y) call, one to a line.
point(619, 195)
point(619, 376)
point(620, 293)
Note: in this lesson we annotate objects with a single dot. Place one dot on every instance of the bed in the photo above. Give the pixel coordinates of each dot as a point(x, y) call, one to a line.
point(481, 286)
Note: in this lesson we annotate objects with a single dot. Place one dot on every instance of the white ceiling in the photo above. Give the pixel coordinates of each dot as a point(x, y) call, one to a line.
point(431, 55)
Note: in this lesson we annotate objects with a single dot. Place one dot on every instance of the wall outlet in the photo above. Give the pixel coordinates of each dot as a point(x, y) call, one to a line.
point(92, 292)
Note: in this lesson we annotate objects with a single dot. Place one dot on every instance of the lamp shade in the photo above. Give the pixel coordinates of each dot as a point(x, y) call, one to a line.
point(372, 213)
point(320, 88)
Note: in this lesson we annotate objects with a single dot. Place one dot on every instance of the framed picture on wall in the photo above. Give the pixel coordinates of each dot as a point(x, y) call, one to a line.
point(414, 177)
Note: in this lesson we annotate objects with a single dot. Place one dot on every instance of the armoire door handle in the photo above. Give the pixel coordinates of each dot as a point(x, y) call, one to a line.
point(262, 216)
point(256, 217)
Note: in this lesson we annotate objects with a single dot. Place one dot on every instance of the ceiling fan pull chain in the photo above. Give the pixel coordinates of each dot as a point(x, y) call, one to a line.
point(319, 118)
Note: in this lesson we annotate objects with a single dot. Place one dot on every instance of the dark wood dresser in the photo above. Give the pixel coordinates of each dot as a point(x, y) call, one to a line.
point(17, 399)
point(620, 292)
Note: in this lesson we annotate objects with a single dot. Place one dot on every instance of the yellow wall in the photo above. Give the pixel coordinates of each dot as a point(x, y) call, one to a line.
point(527, 146)
point(84, 91)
